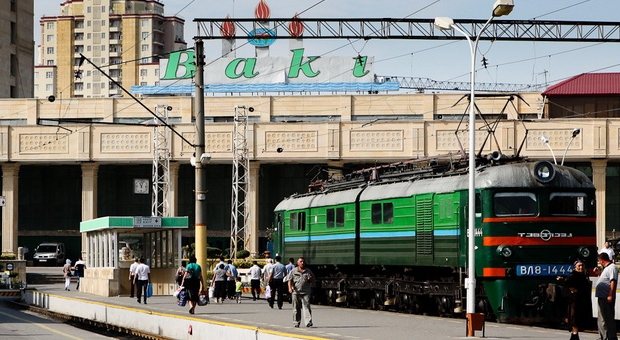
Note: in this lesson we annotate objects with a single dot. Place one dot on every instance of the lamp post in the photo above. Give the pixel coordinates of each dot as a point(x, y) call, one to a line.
point(501, 7)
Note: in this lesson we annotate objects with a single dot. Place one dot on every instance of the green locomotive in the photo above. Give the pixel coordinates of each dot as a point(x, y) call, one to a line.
point(395, 237)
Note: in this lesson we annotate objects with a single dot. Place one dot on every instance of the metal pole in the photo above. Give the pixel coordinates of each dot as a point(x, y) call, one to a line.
point(200, 189)
point(470, 283)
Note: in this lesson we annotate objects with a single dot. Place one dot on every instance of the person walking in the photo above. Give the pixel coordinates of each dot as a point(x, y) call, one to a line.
point(66, 273)
point(231, 278)
point(267, 272)
point(605, 292)
point(193, 283)
point(290, 265)
point(579, 299)
point(238, 289)
point(142, 279)
point(219, 282)
point(300, 281)
point(255, 275)
point(132, 274)
point(276, 282)
point(80, 266)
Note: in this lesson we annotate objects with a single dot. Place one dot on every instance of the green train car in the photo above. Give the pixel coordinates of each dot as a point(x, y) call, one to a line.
point(400, 241)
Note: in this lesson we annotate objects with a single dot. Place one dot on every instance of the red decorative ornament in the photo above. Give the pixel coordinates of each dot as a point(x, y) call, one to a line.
point(228, 28)
point(296, 27)
point(262, 11)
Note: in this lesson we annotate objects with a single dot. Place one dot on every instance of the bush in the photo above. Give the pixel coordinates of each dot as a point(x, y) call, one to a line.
point(8, 256)
point(214, 252)
point(242, 254)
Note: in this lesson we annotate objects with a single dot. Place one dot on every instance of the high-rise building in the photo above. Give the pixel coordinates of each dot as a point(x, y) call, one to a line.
point(125, 38)
point(16, 48)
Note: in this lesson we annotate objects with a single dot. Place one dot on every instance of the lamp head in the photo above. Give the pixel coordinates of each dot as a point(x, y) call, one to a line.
point(503, 7)
point(576, 131)
point(444, 23)
point(544, 139)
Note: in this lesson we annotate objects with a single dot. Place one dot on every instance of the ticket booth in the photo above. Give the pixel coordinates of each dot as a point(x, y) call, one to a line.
point(114, 242)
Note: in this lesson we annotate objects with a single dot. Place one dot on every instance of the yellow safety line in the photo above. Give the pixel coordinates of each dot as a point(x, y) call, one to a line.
point(213, 322)
point(42, 326)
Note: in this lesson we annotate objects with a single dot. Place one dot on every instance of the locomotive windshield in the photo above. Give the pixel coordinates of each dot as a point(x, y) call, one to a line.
point(567, 203)
point(515, 204)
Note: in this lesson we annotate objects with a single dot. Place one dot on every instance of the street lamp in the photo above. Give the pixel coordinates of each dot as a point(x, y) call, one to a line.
point(501, 7)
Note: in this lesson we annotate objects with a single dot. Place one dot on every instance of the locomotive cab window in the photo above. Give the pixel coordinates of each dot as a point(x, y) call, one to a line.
point(382, 213)
point(335, 217)
point(515, 204)
point(298, 221)
point(567, 203)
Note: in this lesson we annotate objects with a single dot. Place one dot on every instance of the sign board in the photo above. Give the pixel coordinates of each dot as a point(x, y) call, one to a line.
point(297, 68)
point(9, 266)
point(146, 222)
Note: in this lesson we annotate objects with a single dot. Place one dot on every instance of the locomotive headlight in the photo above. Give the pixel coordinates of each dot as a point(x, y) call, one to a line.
point(504, 251)
point(544, 171)
point(584, 251)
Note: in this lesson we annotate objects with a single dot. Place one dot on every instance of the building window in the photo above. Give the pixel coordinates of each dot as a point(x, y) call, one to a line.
point(49, 74)
point(13, 6)
point(49, 37)
point(102, 23)
point(145, 47)
point(13, 33)
point(157, 72)
point(143, 72)
point(145, 35)
point(49, 87)
point(50, 25)
point(144, 60)
point(103, 35)
point(88, 48)
point(88, 36)
point(143, 83)
point(50, 62)
point(89, 9)
point(79, 86)
point(36, 75)
point(50, 50)
point(102, 61)
point(145, 22)
point(88, 23)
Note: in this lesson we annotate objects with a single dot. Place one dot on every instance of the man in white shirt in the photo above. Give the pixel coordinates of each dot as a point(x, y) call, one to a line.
point(142, 279)
point(132, 273)
point(255, 274)
point(609, 251)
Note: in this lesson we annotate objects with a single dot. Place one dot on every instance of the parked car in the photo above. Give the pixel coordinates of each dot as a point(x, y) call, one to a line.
point(49, 253)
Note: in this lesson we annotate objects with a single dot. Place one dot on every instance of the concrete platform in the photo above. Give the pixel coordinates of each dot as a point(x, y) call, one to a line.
point(256, 320)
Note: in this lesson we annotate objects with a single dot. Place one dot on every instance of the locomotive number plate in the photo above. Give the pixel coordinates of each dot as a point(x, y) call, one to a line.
point(544, 269)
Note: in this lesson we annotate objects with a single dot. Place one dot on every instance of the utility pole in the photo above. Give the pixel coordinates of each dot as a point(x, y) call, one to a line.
point(200, 189)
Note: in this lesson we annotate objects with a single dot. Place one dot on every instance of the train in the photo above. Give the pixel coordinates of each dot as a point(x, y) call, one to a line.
point(395, 236)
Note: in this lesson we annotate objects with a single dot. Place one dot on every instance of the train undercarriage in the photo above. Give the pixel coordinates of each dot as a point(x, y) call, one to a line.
point(438, 292)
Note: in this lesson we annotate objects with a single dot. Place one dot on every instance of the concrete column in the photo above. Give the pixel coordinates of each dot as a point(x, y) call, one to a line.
point(89, 198)
point(334, 168)
point(10, 190)
point(599, 167)
point(252, 228)
point(173, 193)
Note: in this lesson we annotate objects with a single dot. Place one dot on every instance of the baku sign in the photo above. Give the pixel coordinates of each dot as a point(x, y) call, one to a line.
point(297, 68)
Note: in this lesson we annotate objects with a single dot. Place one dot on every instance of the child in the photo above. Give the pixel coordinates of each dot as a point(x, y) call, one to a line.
point(238, 289)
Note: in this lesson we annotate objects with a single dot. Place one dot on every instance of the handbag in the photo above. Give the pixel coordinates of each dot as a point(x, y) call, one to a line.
point(268, 292)
point(211, 292)
point(149, 290)
point(176, 292)
point(182, 298)
point(203, 300)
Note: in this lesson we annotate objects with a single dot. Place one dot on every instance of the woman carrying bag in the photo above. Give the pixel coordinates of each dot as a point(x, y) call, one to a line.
point(193, 283)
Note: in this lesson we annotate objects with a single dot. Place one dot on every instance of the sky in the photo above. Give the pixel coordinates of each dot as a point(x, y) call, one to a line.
point(514, 62)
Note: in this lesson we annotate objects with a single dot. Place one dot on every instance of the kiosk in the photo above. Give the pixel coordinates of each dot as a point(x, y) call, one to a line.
point(114, 242)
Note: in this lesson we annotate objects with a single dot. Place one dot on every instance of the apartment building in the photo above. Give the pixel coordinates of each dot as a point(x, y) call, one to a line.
point(16, 48)
point(124, 38)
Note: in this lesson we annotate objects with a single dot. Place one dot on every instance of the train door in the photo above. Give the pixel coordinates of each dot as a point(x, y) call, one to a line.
point(278, 234)
point(424, 228)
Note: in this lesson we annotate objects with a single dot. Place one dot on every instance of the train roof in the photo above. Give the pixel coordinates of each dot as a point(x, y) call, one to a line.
point(513, 175)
